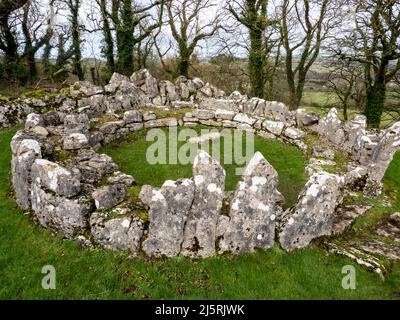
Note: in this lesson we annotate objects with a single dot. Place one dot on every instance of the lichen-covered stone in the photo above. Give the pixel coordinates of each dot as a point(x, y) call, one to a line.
point(382, 156)
point(65, 215)
point(24, 154)
point(109, 196)
point(314, 214)
point(200, 230)
point(169, 208)
point(254, 209)
point(51, 176)
point(75, 141)
point(117, 234)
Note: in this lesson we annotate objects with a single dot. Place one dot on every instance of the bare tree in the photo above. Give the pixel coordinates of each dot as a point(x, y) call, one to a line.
point(35, 39)
point(261, 26)
point(375, 44)
point(305, 25)
point(125, 25)
point(346, 81)
point(189, 29)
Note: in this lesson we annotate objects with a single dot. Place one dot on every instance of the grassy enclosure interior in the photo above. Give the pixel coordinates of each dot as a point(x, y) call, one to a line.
point(130, 154)
point(25, 248)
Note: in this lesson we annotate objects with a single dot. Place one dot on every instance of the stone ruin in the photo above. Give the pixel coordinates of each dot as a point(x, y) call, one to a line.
point(58, 175)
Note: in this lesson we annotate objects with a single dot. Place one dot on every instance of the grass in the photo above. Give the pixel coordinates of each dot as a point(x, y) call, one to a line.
point(99, 274)
point(131, 156)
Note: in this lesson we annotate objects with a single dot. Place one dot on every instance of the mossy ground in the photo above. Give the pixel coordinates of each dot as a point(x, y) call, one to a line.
point(100, 274)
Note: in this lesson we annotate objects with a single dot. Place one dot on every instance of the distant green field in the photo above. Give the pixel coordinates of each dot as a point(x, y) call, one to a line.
point(320, 102)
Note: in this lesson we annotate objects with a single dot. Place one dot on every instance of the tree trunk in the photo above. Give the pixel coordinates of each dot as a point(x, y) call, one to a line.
point(256, 64)
point(374, 106)
point(183, 66)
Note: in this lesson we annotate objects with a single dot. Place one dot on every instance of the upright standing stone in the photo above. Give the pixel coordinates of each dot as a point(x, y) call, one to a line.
point(381, 157)
point(169, 208)
point(254, 209)
point(200, 230)
point(314, 214)
point(24, 154)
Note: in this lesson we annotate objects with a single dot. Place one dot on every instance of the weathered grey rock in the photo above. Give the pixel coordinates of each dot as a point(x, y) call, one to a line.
point(109, 196)
point(24, 154)
point(169, 208)
point(133, 116)
point(381, 158)
point(305, 119)
point(117, 234)
point(93, 167)
point(224, 114)
point(205, 137)
point(345, 216)
point(115, 82)
point(165, 122)
point(218, 104)
point(111, 127)
point(120, 177)
point(331, 128)
point(320, 152)
point(200, 229)
point(390, 228)
point(168, 92)
point(33, 120)
point(313, 216)
point(204, 114)
point(86, 88)
point(70, 217)
point(51, 176)
point(182, 88)
point(75, 141)
point(275, 127)
point(40, 131)
point(244, 118)
point(254, 209)
point(145, 81)
point(276, 110)
point(294, 133)
point(147, 116)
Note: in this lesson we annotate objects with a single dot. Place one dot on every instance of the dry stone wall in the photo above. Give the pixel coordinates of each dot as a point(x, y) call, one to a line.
point(59, 176)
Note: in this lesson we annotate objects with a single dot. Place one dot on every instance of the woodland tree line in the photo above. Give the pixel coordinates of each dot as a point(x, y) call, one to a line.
point(278, 42)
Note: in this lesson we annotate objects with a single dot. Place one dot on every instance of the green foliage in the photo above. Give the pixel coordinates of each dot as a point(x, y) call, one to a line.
point(14, 71)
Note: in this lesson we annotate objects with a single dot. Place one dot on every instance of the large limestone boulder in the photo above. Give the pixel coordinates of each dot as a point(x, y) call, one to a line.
point(254, 209)
point(331, 128)
point(24, 154)
point(145, 81)
point(314, 214)
point(53, 177)
point(93, 166)
point(68, 216)
point(201, 225)
point(169, 208)
point(109, 196)
point(381, 157)
point(118, 233)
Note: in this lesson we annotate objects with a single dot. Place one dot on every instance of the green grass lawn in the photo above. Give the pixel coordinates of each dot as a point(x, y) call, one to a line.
point(99, 274)
point(130, 155)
